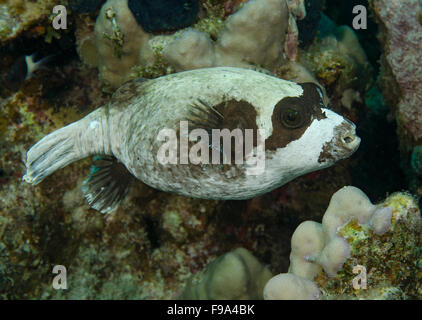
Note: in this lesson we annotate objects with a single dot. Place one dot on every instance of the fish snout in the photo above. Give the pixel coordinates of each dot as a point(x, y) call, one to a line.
point(348, 140)
point(344, 143)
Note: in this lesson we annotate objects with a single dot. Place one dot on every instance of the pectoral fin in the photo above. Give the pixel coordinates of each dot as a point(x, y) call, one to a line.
point(107, 184)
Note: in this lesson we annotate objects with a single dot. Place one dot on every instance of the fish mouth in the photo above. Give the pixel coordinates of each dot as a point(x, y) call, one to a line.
point(343, 145)
point(348, 140)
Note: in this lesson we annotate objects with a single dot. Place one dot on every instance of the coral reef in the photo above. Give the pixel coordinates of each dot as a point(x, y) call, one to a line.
point(118, 39)
point(215, 40)
point(384, 240)
point(401, 69)
point(340, 64)
point(401, 73)
point(293, 288)
point(236, 275)
point(85, 41)
point(17, 16)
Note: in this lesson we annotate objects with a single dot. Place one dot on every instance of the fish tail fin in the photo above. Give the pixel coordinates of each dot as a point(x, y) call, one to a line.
point(51, 153)
point(71, 143)
point(32, 65)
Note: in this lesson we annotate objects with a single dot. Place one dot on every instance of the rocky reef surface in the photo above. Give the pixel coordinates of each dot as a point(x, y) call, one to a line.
point(401, 78)
point(161, 246)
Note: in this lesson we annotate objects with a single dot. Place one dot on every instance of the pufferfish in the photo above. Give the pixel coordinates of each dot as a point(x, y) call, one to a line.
point(288, 122)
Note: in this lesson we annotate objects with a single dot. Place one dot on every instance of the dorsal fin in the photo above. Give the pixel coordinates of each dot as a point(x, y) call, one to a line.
point(128, 90)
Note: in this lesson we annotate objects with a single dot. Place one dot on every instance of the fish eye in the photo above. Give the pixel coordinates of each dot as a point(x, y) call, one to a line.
point(292, 117)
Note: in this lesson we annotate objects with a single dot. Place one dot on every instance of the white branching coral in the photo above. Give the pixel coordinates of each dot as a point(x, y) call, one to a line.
point(382, 239)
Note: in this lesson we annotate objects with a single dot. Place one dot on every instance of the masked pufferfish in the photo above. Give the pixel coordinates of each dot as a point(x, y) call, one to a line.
point(300, 135)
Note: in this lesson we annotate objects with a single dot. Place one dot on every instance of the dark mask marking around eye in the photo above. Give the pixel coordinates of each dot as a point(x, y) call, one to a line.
point(293, 115)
